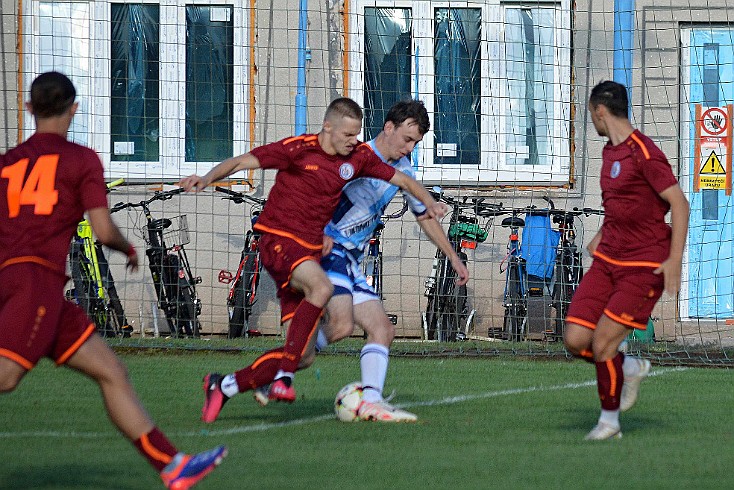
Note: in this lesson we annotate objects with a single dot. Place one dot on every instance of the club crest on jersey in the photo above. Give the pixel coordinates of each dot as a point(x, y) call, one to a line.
point(346, 171)
point(616, 169)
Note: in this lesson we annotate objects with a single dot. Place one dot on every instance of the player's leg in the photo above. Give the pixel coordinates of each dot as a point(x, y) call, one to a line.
point(609, 376)
point(638, 292)
point(370, 315)
point(309, 278)
point(585, 310)
point(95, 359)
point(341, 317)
point(10, 374)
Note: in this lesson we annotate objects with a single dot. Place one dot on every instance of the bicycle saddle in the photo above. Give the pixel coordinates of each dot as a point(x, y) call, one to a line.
point(513, 222)
point(160, 224)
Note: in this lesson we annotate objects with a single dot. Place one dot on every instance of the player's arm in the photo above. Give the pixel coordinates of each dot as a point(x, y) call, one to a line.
point(109, 234)
point(435, 232)
point(434, 209)
point(679, 209)
point(224, 169)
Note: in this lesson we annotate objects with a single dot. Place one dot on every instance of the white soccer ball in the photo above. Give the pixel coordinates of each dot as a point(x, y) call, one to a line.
point(347, 402)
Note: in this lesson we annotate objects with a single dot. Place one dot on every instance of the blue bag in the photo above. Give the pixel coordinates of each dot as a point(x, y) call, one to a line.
point(539, 244)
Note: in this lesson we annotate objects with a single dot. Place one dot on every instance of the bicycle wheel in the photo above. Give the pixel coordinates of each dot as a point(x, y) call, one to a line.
point(448, 315)
point(237, 311)
point(559, 300)
point(253, 268)
point(79, 277)
point(188, 323)
point(116, 320)
point(180, 309)
point(514, 321)
point(432, 312)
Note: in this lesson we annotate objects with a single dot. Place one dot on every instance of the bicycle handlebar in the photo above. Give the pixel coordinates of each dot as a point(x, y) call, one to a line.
point(239, 197)
point(477, 204)
point(158, 196)
point(590, 211)
point(397, 214)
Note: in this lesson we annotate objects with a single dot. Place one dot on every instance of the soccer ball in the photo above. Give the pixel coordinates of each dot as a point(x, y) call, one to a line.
point(348, 401)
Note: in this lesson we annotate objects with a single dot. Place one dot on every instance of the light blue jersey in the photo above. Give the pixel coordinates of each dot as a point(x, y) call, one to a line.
point(362, 204)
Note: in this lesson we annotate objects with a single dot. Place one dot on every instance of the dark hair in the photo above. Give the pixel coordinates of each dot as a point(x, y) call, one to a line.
point(52, 93)
point(611, 95)
point(409, 109)
point(345, 107)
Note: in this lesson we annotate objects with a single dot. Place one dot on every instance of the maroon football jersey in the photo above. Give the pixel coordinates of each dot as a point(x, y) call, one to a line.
point(633, 175)
point(46, 184)
point(309, 183)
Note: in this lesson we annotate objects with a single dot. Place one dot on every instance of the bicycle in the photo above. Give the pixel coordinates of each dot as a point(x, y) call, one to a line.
point(515, 317)
point(448, 316)
point(569, 269)
point(243, 292)
point(372, 263)
point(93, 287)
point(525, 297)
point(173, 281)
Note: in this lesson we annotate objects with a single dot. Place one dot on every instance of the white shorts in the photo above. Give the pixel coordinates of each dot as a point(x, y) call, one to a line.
point(346, 274)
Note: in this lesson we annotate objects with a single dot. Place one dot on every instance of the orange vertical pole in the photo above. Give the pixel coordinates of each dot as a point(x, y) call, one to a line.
point(19, 49)
point(345, 54)
point(253, 73)
point(697, 150)
point(728, 143)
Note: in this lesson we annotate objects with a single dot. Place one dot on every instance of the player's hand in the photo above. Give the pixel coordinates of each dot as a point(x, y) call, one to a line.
point(462, 272)
point(670, 269)
point(193, 182)
point(132, 258)
point(437, 210)
point(328, 245)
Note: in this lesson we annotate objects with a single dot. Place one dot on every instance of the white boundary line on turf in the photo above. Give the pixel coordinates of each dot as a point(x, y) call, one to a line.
point(320, 418)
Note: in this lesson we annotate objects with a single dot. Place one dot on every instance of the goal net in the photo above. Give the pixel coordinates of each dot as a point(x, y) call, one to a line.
point(168, 89)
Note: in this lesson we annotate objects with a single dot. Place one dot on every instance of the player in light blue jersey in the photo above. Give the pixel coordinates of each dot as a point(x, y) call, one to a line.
point(363, 202)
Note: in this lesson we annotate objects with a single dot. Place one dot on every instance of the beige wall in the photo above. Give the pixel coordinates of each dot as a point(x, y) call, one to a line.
point(217, 226)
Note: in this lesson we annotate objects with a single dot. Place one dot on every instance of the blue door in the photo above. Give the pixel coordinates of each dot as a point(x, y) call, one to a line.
point(709, 57)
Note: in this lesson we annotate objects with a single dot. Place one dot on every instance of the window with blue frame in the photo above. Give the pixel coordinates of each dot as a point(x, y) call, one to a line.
point(134, 99)
point(387, 70)
point(457, 94)
point(63, 28)
point(495, 78)
point(530, 82)
point(156, 97)
point(209, 83)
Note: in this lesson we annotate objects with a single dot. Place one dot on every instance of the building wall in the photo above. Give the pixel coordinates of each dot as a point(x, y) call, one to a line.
point(216, 225)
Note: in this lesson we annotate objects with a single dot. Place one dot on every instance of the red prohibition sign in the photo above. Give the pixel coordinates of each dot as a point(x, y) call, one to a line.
point(714, 121)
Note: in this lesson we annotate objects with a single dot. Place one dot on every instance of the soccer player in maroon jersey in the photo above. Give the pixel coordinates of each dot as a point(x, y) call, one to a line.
point(46, 185)
point(636, 253)
point(312, 170)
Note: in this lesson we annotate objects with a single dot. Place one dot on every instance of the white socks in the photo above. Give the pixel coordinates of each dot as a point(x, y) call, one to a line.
point(321, 341)
point(609, 417)
point(373, 362)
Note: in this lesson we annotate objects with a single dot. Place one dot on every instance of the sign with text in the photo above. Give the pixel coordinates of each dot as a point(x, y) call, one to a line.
point(712, 157)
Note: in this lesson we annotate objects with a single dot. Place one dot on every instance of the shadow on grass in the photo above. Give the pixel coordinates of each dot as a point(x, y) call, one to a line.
point(49, 476)
point(582, 420)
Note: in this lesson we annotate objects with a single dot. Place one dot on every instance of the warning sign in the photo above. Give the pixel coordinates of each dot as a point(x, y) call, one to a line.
point(714, 122)
point(713, 152)
point(712, 174)
point(713, 165)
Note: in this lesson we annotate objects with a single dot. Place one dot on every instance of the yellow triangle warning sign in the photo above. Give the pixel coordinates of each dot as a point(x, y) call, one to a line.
point(713, 165)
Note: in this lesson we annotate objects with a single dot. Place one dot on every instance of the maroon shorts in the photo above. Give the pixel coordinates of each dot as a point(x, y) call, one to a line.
point(626, 294)
point(280, 256)
point(35, 319)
